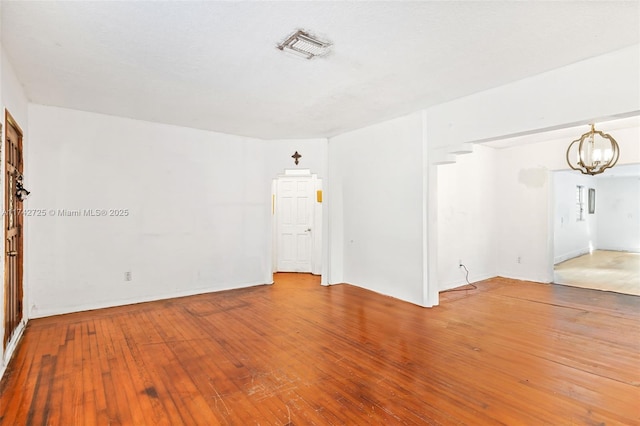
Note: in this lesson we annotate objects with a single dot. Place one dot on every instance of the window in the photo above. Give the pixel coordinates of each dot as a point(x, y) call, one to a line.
point(580, 203)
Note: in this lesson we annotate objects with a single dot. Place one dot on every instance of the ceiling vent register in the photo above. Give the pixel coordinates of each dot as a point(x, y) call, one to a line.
point(304, 45)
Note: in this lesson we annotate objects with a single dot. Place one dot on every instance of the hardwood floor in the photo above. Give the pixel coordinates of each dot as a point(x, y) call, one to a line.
point(606, 270)
point(510, 352)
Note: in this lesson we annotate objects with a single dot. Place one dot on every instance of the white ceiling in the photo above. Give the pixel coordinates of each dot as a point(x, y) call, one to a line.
point(214, 65)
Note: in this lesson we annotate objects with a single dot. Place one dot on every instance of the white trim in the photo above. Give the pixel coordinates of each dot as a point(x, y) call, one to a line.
point(297, 172)
point(274, 227)
point(316, 255)
point(570, 255)
point(11, 347)
point(462, 282)
point(430, 295)
point(533, 278)
point(622, 249)
point(41, 313)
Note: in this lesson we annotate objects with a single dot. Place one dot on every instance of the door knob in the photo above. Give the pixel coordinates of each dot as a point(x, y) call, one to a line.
point(12, 253)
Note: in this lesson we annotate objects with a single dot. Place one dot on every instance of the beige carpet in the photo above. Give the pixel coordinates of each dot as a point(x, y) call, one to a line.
point(602, 270)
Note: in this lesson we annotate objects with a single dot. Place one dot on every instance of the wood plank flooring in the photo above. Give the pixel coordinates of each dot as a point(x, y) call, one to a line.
point(297, 353)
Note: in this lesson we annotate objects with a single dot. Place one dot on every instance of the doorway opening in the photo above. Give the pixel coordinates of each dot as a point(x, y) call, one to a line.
point(297, 222)
point(596, 235)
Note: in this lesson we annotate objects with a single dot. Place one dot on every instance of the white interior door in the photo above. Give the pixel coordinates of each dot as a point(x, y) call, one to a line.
point(294, 205)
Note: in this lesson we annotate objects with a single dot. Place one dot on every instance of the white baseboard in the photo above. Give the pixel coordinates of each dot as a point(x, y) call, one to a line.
point(540, 279)
point(459, 283)
point(566, 256)
point(623, 249)
point(11, 346)
point(42, 312)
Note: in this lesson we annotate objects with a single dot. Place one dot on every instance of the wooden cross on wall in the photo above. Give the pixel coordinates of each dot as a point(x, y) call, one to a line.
point(296, 156)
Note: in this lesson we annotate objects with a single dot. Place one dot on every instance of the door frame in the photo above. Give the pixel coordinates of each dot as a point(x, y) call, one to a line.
point(10, 337)
point(316, 213)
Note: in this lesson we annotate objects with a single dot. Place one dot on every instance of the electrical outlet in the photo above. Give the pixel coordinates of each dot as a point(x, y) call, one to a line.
point(518, 259)
point(459, 263)
point(127, 276)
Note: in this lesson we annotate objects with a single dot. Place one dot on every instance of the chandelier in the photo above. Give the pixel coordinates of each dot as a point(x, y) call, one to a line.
point(593, 153)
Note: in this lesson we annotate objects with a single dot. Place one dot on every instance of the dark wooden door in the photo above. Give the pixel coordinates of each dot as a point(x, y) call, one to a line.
point(13, 229)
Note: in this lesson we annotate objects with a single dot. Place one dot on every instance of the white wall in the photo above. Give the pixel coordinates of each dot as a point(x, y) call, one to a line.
point(198, 211)
point(572, 237)
point(467, 218)
point(278, 155)
point(618, 212)
point(526, 204)
point(13, 98)
point(594, 89)
point(376, 212)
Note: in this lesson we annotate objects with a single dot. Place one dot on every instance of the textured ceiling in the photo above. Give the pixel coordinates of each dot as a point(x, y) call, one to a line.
point(214, 65)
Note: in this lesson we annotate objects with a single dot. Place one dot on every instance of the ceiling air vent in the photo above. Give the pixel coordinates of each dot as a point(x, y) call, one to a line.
point(302, 44)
